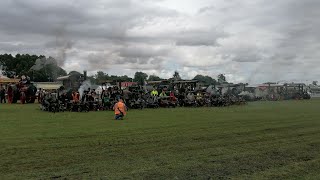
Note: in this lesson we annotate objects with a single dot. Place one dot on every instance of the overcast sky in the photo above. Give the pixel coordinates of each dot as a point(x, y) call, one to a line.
point(247, 40)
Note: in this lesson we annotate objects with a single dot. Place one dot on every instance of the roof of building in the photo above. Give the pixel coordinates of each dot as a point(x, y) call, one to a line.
point(295, 84)
point(61, 78)
point(157, 82)
point(48, 85)
point(3, 77)
point(8, 80)
point(186, 81)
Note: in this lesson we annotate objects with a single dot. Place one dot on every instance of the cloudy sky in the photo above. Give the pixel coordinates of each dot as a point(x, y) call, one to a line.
point(247, 40)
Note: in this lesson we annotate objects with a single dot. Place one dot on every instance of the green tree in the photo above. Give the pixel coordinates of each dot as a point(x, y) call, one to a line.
point(206, 80)
point(140, 77)
point(92, 80)
point(7, 64)
point(38, 68)
point(176, 76)
point(125, 78)
point(45, 69)
point(222, 78)
point(154, 78)
point(49, 72)
point(101, 77)
point(39, 76)
point(315, 83)
point(18, 65)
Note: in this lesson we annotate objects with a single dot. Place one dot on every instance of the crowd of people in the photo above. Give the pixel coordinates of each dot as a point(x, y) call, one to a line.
point(134, 98)
point(6, 94)
point(23, 91)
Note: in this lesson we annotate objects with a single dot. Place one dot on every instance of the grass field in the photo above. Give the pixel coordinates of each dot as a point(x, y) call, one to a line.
point(263, 140)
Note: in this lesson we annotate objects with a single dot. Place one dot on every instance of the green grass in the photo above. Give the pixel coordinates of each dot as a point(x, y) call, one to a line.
point(263, 140)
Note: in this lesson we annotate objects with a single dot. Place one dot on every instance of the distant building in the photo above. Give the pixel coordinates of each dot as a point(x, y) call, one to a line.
point(314, 90)
point(48, 85)
point(128, 84)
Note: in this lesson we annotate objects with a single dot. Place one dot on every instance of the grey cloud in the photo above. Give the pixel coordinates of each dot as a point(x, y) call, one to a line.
point(199, 38)
point(251, 34)
point(59, 43)
point(129, 57)
point(142, 52)
point(206, 9)
point(250, 57)
point(7, 46)
point(109, 20)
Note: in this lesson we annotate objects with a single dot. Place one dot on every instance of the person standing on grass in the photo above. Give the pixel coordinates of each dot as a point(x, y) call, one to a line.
point(40, 95)
point(120, 110)
point(10, 94)
point(23, 97)
point(2, 95)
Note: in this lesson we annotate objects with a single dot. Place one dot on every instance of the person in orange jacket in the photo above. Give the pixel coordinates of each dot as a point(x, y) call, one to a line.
point(120, 110)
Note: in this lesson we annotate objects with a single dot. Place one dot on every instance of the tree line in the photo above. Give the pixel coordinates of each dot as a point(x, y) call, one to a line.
point(45, 69)
point(38, 68)
point(141, 78)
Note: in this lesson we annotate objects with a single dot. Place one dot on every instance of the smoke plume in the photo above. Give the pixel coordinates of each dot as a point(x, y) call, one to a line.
point(42, 62)
point(84, 87)
point(62, 44)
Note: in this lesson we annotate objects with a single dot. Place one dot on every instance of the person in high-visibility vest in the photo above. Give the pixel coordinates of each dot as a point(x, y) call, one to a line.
point(120, 110)
point(163, 94)
point(154, 92)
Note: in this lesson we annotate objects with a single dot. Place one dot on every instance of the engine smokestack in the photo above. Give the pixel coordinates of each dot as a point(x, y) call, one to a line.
point(85, 75)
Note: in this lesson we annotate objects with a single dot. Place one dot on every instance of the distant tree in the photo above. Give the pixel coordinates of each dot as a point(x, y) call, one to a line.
point(18, 65)
point(154, 78)
point(7, 62)
point(125, 78)
point(101, 77)
point(222, 79)
point(176, 76)
point(92, 79)
point(206, 80)
point(140, 77)
point(38, 68)
point(49, 72)
point(39, 76)
point(315, 83)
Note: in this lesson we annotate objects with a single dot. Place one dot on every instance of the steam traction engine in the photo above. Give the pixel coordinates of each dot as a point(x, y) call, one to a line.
point(27, 91)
